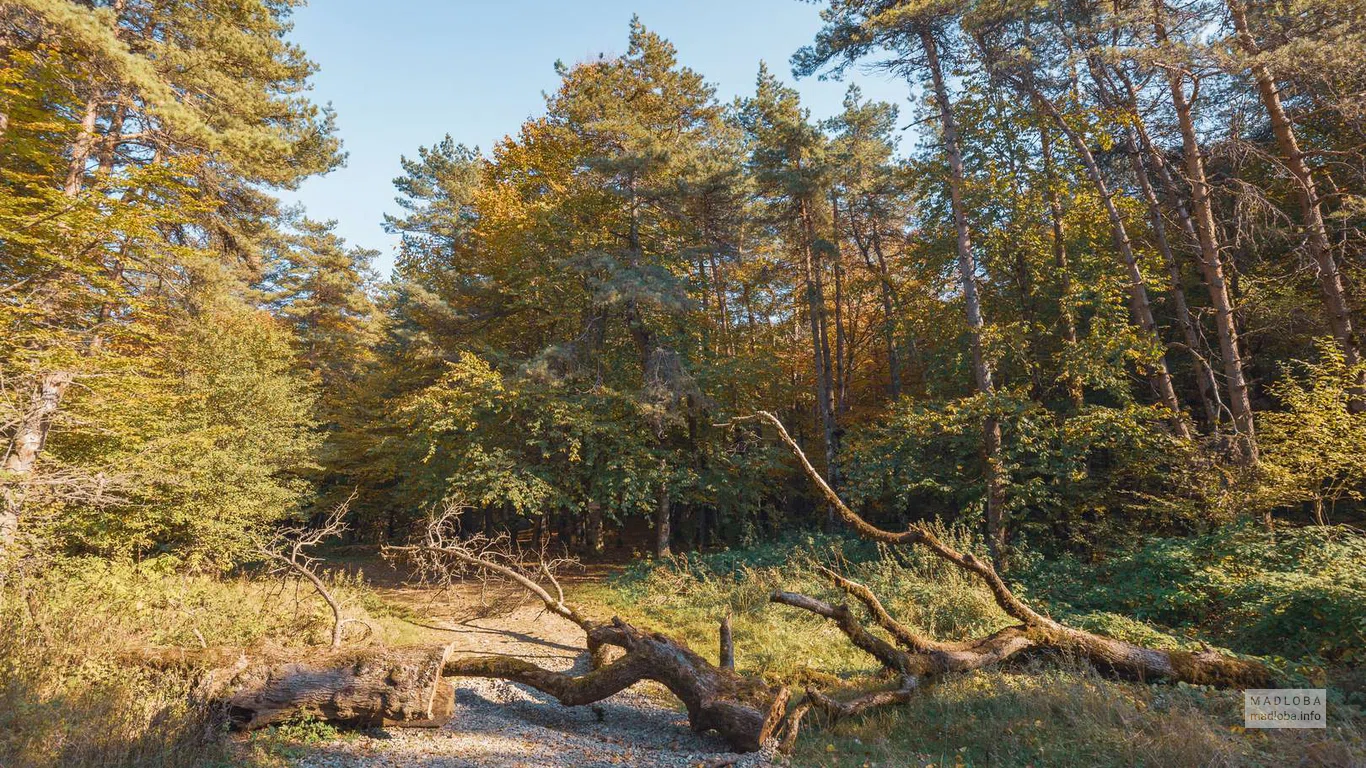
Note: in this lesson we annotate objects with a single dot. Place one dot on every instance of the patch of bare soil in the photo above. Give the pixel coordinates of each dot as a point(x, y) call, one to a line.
point(498, 724)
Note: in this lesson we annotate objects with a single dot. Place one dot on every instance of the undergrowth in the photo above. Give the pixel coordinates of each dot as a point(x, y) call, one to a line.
point(71, 690)
point(69, 696)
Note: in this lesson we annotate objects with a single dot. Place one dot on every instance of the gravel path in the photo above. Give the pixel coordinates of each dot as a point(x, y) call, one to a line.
point(498, 724)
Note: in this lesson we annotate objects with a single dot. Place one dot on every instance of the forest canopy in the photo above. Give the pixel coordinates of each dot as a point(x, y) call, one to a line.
point(1096, 284)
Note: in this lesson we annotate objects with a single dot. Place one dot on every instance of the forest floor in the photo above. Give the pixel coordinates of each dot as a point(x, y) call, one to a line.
point(1039, 712)
point(498, 724)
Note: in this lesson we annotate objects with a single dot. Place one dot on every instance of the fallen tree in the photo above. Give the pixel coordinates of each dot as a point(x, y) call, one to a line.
point(378, 685)
point(744, 710)
point(359, 688)
point(747, 711)
point(353, 687)
point(915, 659)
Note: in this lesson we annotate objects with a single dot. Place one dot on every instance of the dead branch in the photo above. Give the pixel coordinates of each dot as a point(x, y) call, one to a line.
point(924, 657)
point(287, 550)
point(743, 710)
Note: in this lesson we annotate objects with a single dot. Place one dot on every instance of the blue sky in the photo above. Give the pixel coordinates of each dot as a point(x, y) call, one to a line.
point(403, 73)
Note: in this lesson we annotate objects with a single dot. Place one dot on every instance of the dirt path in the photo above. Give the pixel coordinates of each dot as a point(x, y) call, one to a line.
point(503, 725)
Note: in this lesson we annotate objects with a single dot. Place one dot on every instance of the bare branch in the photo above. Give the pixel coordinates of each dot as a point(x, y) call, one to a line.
point(286, 549)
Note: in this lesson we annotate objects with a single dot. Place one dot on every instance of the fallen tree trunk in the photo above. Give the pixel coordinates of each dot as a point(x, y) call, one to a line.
point(915, 658)
point(363, 688)
point(745, 711)
point(360, 688)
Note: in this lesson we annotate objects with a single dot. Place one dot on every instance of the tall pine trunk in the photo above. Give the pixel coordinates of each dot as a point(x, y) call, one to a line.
point(967, 272)
point(1211, 264)
point(815, 309)
point(1334, 296)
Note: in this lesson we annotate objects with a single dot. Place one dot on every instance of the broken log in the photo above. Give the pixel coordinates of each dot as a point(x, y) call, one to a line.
point(357, 688)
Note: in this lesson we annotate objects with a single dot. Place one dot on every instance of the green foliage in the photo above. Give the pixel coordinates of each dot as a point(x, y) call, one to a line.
point(282, 744)
point(690, 593)
point(140, 140)
point(77, 669)
point(1311, 449)
point(1067, 716)
point(1296, 594)
point(216, 444)
point(1050, 712)
point(1072, 481)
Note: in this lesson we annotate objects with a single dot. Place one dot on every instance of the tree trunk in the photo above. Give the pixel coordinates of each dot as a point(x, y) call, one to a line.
point(820, 350)
point(1320, 249)
point(663, 528)
point(1139, 305)
point(21, 455)
point(967, 272)
point(889, 323)
point(841, 379)
point(81, 148)
point(1210, 262)
point(1159, 164)
point(593, 528)
point(363, 688)
point(1067, 315)
point(726, 655)
point(744, 710)
point(1204, 375)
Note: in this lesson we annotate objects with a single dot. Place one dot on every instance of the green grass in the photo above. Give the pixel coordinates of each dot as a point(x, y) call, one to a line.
point(1048, 712)
point(69, 699)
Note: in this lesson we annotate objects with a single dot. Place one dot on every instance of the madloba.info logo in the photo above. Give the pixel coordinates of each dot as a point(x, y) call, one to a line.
point(1285, 708)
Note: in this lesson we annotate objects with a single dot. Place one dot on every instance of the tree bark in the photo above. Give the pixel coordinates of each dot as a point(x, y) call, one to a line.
point(81, 148)
point(1334, 295)
point(726, 656)
point(1210, 262)
point(354, 688)
point(663, 528)
point(889, 323)
point(593, 528)
point(967, 272)
point(27, 443)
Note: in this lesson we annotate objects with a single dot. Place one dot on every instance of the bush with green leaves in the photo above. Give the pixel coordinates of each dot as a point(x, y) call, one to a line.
point(1070, 482)
point(1297, 593)
point(1311, 450)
